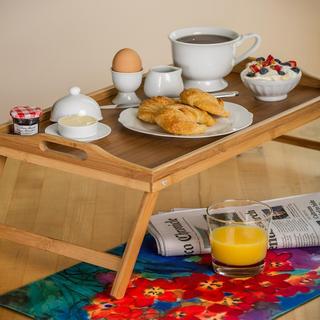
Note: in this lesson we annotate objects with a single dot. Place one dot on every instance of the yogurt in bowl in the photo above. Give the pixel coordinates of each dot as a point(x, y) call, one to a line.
point(270, 79)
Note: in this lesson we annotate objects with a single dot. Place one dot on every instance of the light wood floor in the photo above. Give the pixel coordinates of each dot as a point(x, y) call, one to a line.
point(99, 215)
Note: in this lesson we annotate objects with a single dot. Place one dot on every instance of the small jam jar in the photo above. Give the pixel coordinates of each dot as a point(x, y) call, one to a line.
point(25, 120)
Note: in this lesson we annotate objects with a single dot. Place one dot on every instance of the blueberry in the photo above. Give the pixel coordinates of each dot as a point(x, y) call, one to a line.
point(277, 60)
point(281, 73)
point(250, 74)
point(263, 71)
point(295, 69)
point(260, 59)
point(286, 64)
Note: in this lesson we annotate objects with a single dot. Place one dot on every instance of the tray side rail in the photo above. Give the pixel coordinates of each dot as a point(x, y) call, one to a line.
point(75, 157)
point(228, 147)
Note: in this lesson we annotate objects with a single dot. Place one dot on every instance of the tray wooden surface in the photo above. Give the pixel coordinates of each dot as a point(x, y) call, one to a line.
point(151, 163)
point(151, 151)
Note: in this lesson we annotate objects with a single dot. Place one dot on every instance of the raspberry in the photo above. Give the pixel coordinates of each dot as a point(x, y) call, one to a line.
point(276, 67)
point(293, 63)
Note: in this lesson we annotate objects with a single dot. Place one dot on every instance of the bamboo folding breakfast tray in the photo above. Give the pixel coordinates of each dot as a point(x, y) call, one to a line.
point(149, 163)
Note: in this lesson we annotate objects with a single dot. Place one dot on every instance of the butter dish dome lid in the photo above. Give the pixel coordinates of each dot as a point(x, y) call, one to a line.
point(75, 103)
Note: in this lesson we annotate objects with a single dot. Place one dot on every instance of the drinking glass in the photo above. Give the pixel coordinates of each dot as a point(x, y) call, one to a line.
point(238, 233)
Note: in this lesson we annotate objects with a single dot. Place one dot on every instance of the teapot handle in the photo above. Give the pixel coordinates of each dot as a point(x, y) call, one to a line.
point(251, 49)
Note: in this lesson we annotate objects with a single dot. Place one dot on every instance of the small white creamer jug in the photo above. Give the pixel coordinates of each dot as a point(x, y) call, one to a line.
point(163, 81)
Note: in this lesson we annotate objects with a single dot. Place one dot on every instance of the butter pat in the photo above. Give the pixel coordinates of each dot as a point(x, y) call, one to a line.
point(77, 121)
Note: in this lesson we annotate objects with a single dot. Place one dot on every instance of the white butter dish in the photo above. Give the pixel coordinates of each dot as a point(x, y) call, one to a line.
point(75, 103)
point(76, 126)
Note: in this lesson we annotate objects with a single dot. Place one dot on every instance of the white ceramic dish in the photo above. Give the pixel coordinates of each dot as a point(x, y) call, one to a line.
point(75, 103)
point(205, 65)
point(163, 81)
point(75, 127)
point(270, 90)
point(126, 84)
point(239, 118)
point(103, 131)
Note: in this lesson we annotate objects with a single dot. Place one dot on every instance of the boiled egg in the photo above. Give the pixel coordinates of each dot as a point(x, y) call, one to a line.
point(126, 60)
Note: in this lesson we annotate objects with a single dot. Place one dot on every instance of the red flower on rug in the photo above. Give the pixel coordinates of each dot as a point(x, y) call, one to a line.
point(266, 283)
point(300, 283)
point(146, 291)
point(277, 262)
point(223, 315)
point(247, 285)
point(104, 307)
point(234, 304)
point(203, 286)
point(269, 287)
point(190, 312)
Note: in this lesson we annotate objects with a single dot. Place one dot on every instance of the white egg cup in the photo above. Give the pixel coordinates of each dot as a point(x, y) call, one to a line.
point(126, 83)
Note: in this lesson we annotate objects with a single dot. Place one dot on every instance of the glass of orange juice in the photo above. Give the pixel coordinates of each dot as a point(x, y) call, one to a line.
point(238, 232)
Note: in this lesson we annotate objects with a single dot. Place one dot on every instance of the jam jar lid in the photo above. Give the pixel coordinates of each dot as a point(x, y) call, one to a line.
point(25, 112)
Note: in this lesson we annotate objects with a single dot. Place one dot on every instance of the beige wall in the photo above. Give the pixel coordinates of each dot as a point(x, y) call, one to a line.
point(48, 46)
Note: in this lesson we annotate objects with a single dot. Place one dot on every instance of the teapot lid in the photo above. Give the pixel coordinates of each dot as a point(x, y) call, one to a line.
point(75, 103)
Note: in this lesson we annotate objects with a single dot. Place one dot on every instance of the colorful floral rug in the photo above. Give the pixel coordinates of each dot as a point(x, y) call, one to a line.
point(173, 288)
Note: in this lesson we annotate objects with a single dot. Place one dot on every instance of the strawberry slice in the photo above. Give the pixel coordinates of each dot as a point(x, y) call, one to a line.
point(276, 67)
point(269, 60)
point(255, 68)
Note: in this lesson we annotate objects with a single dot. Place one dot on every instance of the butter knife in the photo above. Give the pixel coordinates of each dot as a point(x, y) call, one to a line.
point(221, 94)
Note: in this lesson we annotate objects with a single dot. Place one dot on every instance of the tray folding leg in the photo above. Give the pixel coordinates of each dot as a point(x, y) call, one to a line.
point(299, 142)
point(133, 245)
point(122, 265)
point(102, 259)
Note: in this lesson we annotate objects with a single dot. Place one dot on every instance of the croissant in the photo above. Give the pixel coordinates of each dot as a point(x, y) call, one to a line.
point(149, 108)
point(204, 101)
point(177, 119)
point(194, 114)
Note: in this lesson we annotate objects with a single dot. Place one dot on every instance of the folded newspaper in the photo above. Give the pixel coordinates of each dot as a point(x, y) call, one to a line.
point(295, 223)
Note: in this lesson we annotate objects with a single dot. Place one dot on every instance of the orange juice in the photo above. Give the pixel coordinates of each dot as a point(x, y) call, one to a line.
point(239, 245)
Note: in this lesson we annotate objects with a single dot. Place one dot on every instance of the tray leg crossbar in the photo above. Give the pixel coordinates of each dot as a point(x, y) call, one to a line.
point(299, 142)
point(122, 265)
point(101, 259)
point(133, 245)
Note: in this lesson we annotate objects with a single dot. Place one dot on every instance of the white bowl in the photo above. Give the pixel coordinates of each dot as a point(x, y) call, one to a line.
point(75, 127)
point(75, 103)
point(270, 90)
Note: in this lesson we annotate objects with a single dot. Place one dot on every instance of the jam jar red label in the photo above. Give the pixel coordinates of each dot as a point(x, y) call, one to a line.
point(25, 120)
